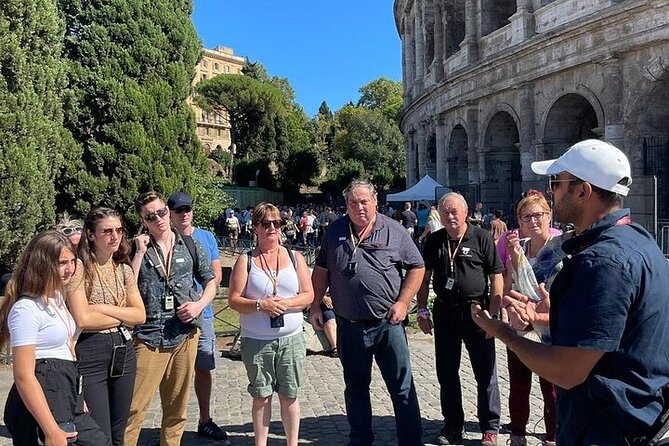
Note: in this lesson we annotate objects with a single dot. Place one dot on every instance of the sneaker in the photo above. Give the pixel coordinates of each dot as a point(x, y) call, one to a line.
point(517, 440)
point(489, 439)
point(447, 436)
point(212, 431)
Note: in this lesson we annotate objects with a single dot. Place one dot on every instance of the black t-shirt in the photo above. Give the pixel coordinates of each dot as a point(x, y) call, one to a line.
point(475, 259)
point(409, 219)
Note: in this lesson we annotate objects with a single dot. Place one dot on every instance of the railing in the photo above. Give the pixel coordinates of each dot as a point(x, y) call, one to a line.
point(663, 236)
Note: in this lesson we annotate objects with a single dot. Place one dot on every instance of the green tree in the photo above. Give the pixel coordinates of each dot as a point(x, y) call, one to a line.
point(322, 131)
point(382, 94)
point(32, 138)
point(368, 136)
point(131, 64)
point(341, 175)
point(210, 201)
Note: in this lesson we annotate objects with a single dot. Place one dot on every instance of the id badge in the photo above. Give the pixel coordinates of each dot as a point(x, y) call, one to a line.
point(125, 333)
point(168, 302)
point(450, 283)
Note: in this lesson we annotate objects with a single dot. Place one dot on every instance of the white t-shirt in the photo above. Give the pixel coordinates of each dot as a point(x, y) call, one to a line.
point(310, 223)
point(30, 322)
point(257, 325)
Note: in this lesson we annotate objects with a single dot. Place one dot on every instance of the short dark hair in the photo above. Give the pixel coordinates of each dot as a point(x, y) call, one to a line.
point(145, 198)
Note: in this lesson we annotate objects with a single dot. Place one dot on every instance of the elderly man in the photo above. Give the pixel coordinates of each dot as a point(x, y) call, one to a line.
point(466, 269)
point(608, 307)
point(360, 260)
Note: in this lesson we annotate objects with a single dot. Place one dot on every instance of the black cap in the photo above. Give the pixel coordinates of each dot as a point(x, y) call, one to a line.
point(179, 199)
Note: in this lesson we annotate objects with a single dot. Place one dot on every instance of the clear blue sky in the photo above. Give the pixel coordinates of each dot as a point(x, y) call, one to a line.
point(326, 49)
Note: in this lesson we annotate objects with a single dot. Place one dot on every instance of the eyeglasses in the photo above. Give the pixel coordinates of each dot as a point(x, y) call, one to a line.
point(107, 232)
point(68, 231)
point(266, 223)
point(553, 179)
point(153, 216)
point(535, 216)
point(183, 210)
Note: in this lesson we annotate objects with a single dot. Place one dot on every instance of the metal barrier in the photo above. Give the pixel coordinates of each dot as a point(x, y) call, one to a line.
point(663, 237)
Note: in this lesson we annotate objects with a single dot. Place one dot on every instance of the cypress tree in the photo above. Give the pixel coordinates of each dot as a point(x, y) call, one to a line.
point(131, 64)
point(32, 138)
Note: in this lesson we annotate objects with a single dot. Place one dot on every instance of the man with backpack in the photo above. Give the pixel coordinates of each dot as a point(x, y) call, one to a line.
point(166, 265)
point(181, 213)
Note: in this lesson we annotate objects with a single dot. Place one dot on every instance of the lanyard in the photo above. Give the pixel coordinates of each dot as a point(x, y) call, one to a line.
point(165, 267)
point(359, 238)
point(451, 256)
point(67, 323)
point(115, 293)
point(274, 278)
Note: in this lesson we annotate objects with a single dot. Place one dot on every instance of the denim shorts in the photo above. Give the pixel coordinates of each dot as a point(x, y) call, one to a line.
point(206, 346)
point(274, 365)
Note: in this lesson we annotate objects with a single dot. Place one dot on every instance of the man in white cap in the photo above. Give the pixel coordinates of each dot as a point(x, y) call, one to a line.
point(608, 306)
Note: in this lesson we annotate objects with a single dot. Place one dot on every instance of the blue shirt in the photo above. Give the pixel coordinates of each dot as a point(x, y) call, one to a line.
point(367, 290)
point(611, 296)
point(208, 242)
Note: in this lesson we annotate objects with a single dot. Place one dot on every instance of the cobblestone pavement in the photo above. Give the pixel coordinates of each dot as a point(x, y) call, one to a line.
point(323, 410)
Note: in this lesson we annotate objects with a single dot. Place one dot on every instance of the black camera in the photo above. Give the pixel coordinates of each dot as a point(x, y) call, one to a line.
point(351, 268)
point(276, 322)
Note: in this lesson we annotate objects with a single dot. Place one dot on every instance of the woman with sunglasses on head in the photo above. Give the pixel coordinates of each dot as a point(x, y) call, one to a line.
point(71, 228)
point(270, 287)
point(534, 216)
point(46, 401)
point(106, 304)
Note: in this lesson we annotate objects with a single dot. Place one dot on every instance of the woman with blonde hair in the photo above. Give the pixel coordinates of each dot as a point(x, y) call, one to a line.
point(106, 304)
point(534, 216)
point(70, 227)
point(46, 401)
point(269, 287)
point(433, 224)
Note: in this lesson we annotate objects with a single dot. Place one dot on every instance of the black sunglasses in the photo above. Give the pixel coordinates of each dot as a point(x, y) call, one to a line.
point(553, 180)
point(266, 223)
point(71, 230)
point(153, 216)
point(183, 209)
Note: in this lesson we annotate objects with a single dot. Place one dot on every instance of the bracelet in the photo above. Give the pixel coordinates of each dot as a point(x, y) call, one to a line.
point(258, 305)
point(422, 314)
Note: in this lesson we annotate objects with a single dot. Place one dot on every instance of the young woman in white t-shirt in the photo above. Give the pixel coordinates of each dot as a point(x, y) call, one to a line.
point(46, 400)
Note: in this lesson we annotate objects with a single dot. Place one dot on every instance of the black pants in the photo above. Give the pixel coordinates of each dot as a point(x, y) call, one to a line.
point(453, 325)
point(108, 399)
point(58, 379)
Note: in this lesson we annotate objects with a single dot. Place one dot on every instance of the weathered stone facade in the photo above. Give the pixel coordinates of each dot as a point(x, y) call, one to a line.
point(492, 85)
point(213, 129)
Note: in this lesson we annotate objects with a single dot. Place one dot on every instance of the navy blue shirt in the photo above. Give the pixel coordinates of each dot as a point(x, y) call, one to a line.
point(612, 296)
point(370, 291)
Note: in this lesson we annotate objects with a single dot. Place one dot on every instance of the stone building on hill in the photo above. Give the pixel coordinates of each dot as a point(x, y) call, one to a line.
point(492, 85)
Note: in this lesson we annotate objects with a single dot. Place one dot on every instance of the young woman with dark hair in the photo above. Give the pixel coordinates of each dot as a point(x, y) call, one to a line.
point(46, 400)
point(106, 304)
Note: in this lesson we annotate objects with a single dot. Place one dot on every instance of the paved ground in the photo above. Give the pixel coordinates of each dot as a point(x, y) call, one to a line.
point(323, 414)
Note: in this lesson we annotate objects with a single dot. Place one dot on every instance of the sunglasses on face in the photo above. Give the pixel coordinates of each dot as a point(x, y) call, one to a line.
point(266, 223)
point(153, 216)
point(535, 216)
point(183, 210)
point(107, 232)
point(553, 181)
point(71, 230)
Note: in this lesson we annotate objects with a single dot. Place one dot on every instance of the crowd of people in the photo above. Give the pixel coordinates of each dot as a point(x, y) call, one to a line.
point(97, 324)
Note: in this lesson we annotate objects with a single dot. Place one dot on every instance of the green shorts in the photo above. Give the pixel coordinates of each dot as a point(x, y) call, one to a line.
point(274, 365)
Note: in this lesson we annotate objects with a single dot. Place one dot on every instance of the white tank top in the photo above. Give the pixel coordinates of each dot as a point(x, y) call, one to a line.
point(257, 325)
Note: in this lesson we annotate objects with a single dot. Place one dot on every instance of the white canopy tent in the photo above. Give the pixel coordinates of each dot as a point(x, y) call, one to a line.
point(423, 190)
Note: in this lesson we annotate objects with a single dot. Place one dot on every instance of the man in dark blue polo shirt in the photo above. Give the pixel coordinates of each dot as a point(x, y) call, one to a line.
point(608, 306)
point(360, 260)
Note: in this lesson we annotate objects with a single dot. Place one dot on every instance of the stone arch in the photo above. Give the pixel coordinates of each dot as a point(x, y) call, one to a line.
point(457, 156)
point(495, 14)
point(501, 160)
point(570, 118)
point(454, 26)
point(648, 138)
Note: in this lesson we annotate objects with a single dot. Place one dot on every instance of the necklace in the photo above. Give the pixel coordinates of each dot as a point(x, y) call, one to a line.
point(272, 275)
point(117, 293)
point(68, 322)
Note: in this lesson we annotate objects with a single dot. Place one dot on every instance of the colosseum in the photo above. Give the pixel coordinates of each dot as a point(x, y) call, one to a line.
point(492, 85)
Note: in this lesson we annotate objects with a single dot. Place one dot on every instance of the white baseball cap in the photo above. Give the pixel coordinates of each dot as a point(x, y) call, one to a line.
point(597, 162)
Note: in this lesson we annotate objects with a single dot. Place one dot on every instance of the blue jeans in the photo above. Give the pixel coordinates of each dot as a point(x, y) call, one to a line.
point(358, 343)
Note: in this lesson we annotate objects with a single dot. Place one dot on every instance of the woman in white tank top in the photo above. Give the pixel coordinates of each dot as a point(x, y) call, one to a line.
point(270, 293)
